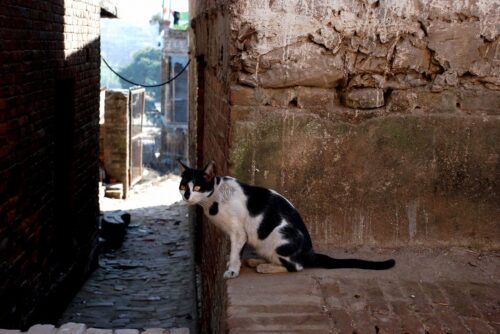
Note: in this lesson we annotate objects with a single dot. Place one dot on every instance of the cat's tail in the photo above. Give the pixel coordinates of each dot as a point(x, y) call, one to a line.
point(324, 261)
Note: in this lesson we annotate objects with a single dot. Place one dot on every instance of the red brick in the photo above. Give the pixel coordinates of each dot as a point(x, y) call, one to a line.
point(342, 321)
point(387, 324)
point(416, 297)
point(409, 319)
point(433, 293)
point(376, 300)
point(459, 299)
point(478, 326)
point(432, 324)
point(450, 321)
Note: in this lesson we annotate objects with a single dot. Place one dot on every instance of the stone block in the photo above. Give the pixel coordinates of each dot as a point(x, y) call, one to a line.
point(42, 329)
point(364, 98)
point(116, 194)
point(311, 97)
point(456, 44)
point(402, 101)
point(98, 331)
point(72, 328)
point(479, 101)
point(114, 191)
point(243, 96)
point(126, 331)
point(301, 64)
point(408, 57)
point(179, 330)
point(156, 331)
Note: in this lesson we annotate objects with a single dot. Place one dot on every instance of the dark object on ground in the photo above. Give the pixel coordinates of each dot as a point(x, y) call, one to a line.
point(113, 227)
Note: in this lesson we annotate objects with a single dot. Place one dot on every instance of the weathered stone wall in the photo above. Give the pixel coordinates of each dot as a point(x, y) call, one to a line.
point(49, 113)
point(209, 115)
point(377, 119)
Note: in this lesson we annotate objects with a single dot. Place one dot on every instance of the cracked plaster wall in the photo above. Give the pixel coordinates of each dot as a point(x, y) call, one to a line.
point(381, 45)
point(364, 111)
point(379, 120)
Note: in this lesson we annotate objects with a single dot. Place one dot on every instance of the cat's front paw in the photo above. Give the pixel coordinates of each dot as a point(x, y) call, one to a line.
point(230, 273)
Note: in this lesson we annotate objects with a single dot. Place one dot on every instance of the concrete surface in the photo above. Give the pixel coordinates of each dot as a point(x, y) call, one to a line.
point(429, 291)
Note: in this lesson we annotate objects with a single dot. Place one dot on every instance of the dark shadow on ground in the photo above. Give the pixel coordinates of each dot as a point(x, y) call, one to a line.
point(146, 283)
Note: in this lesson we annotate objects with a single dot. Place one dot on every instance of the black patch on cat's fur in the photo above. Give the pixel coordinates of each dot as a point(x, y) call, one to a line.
point(270, 221)
point(217, 180)
point(187, 193)
point(214, 209)
point(258, 202)
point(197, 177)
point(257, 198)
point(274, 208)
point(288, 249)
point(294, 244)
point(288, 265)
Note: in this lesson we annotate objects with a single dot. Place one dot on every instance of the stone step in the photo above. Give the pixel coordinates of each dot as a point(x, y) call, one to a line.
point(114, 191)
point(75, 328)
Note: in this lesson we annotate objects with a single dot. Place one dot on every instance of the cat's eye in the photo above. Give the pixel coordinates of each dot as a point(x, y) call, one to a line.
point(183, 187)
point(196, 188)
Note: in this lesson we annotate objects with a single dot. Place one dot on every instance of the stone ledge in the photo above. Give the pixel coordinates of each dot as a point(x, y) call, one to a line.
point(433, 290)
point(75, 328)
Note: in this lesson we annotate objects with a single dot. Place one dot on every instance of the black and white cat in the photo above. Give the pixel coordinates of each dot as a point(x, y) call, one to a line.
point(262, 218)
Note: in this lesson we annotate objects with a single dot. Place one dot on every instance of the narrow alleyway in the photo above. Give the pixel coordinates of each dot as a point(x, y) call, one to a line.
point(149, 281)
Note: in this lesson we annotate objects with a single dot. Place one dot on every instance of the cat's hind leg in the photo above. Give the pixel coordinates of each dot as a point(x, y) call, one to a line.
point(270, 268)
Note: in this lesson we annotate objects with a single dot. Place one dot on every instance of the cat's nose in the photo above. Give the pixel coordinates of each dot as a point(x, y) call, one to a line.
point(187, 193)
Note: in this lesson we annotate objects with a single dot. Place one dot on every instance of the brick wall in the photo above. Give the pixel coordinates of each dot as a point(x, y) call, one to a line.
point(209, 114)
point(49, 114)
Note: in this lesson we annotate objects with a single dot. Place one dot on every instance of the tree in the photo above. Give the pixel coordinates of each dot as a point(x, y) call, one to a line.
point(145, 68)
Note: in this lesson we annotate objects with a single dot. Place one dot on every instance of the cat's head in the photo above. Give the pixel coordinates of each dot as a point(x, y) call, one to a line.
point(196, 184)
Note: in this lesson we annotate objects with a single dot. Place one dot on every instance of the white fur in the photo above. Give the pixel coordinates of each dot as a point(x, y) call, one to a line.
point(235, 220)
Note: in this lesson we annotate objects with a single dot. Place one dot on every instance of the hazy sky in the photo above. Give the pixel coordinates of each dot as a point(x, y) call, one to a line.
point(139, 12)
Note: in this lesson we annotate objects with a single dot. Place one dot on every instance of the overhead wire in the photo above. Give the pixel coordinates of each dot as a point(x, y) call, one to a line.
point(144, 85)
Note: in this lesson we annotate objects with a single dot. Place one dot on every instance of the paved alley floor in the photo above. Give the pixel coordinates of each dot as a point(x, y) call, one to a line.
point(428, 291)
point(149, 281)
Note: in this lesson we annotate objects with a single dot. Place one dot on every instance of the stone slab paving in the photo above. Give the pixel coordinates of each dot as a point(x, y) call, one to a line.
point(429, 291)
point(75, 328)
point(149, 281)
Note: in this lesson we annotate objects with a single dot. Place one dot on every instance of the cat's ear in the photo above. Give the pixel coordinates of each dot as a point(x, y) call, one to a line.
point(209, 171)
point(183, 166)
